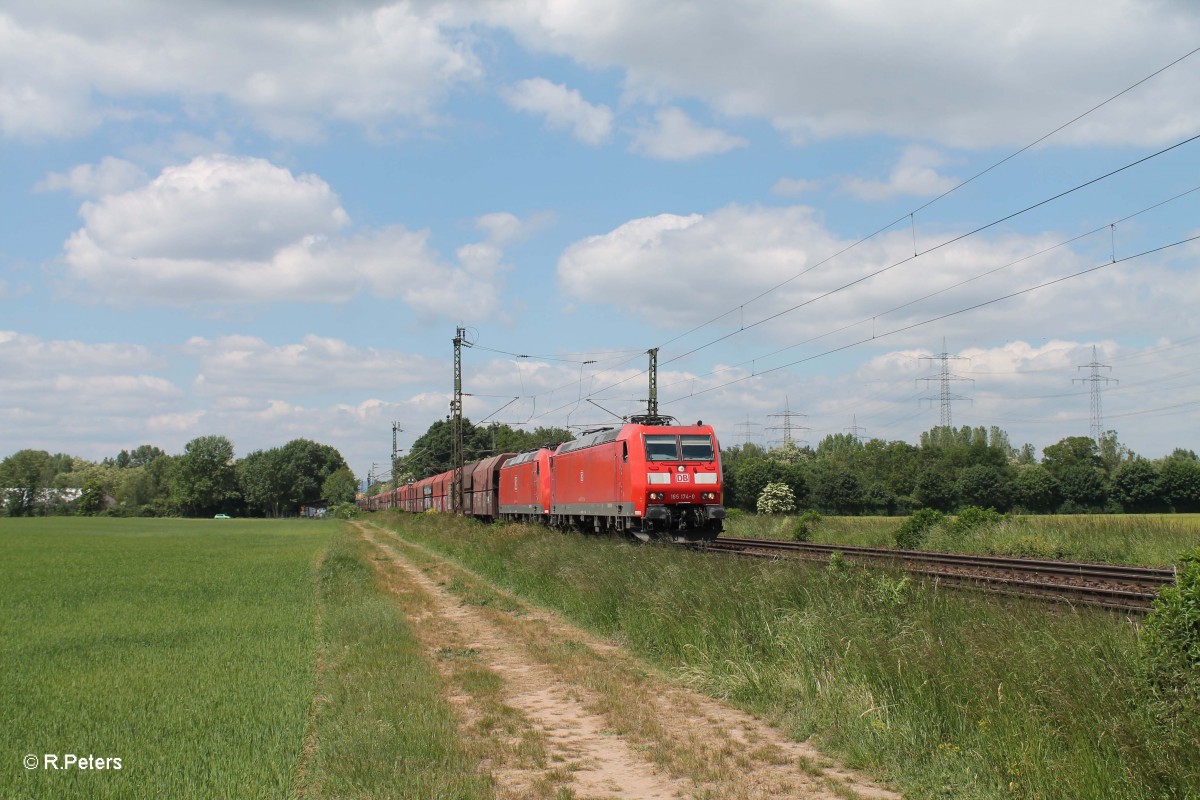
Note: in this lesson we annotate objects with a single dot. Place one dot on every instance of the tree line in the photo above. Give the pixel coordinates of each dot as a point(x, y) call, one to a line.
point(204, 480)
point(950, 468)
point(953, 468)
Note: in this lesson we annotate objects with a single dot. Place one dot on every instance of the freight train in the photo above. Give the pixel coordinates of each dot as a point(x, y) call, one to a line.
point(646, 481)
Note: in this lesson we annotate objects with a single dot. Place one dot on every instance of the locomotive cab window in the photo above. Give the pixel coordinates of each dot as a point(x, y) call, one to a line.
point(662, 448)
point(697, 448)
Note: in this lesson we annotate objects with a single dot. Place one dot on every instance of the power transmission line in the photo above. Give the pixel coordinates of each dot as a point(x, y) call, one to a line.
point(909, 215)
point(1095, 379)
point(788, 426)
point(941, 317)
point(944, 378)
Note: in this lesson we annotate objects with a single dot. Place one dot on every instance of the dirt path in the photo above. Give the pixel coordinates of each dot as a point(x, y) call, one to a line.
point(554, 712)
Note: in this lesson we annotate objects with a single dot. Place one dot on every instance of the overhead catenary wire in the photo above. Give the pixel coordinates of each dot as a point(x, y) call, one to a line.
point(959, 284)
point(563, 357)
point(940, 317)
point(939, 246)
point(906, 260)
point(910, 215)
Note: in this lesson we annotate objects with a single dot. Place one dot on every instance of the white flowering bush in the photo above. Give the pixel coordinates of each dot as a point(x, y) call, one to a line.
point(776, 498)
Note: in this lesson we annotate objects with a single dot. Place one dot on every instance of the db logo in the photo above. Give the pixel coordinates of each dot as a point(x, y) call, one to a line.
point(682, 477)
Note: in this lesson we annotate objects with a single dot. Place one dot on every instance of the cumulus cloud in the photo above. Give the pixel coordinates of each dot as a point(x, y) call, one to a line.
point(563, 109)
point(973, 75)
point(236, 230)
point(678, 271)
point(677, 137)
point(247, 366)
point(33, 356)
point(110, 176)
point(56, 391)
point(290, 69)
point(915, 174)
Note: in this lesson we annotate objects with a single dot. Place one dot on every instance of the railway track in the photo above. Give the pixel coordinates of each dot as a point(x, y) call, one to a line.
point(1111, 586)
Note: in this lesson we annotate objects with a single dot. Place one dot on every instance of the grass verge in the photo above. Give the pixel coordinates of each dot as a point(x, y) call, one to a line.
point(1137, 539)
point(382, 726)
point(942, 694)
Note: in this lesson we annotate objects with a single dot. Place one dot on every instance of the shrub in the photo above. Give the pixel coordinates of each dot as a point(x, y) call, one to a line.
point(805, 524)
point(345, 511)
point(911, 534)
point(973, 517)
point(838, 565)
point(776, 498)
point(1170, 643)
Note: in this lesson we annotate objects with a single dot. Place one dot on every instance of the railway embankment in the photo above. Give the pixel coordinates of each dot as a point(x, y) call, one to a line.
point(933, 691)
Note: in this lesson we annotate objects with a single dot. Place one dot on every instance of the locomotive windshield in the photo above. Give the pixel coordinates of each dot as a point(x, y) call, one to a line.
point(697, 448)
point(662, 448)
point(669, 448)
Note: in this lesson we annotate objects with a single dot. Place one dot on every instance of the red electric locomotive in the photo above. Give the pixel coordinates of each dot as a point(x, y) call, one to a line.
point(650, 481)
point(525, 487)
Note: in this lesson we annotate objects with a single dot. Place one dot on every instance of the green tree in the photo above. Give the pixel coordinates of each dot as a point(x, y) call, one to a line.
point(204, 480)
point(934, 490)
point(145, 489)
point(263, 481)
point(750, 477)
point(1035, 489)
point(985, 486)
point(1135, 485)
point(91, 500)
point(340, 487)
point(1179, 484)
point(307, 465)
point(837, 492)
point(1112, 453)
point(1082, 488)
point(1073, 451)
point(24, 480)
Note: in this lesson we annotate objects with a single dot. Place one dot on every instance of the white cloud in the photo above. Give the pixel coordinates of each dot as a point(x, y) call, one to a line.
point(66, 67)
point(675, 272)
point(55, 392)
point(915, 174)
point(563, 108)
point(224, 229)
point(963, 74)
point(247, 366)
point(676, 136)
point(110, 176)
point(30, 356)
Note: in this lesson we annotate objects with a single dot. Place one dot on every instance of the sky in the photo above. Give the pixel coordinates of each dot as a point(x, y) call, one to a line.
point(267, 220)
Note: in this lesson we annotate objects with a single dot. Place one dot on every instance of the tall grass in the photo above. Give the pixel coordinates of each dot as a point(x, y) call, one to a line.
point(1139, 539)
point(184, 648)
point(942, 694)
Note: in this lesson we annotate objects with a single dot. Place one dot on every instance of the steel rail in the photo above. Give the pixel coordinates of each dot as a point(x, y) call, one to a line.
point(1114, 586)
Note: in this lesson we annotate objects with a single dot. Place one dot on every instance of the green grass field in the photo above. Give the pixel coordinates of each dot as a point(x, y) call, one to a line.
point(1138, 539)
point(215, 659)
point(186, 648)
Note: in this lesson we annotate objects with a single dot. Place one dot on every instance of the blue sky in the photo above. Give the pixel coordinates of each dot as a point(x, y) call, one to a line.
point(266, 220)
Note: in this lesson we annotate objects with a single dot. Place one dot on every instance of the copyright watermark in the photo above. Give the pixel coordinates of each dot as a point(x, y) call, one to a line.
point(49, 761)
